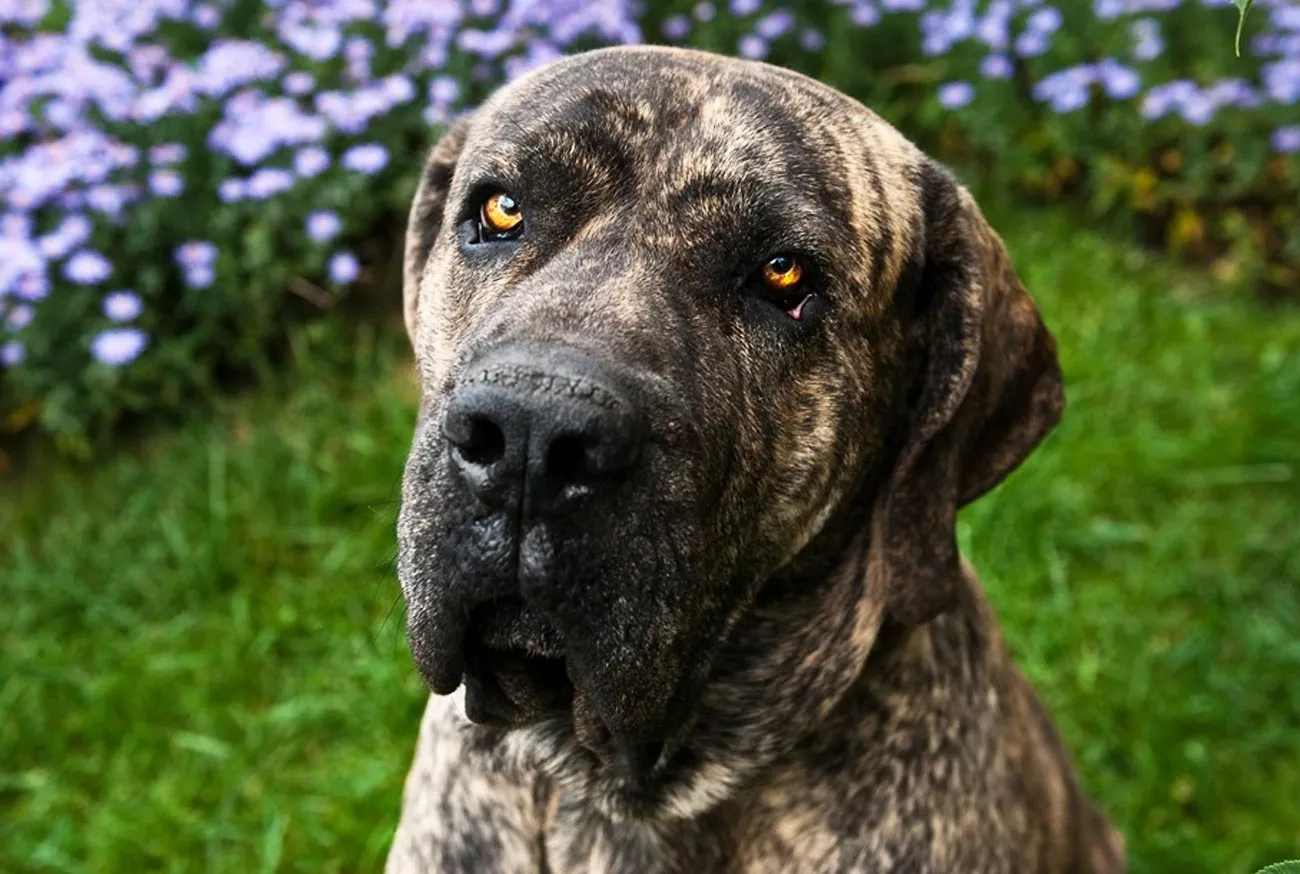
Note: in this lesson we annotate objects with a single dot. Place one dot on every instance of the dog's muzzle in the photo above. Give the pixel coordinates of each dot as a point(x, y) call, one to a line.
point(536, 439)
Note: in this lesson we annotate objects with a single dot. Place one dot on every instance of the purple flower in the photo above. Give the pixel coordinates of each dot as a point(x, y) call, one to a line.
point(200, 276)
point(744, 7)
point(166, 183)
point(935, 44)
point(775, 25)
point(1070, 99)
point(811, 40)
point(704, 12)
point(357, 51)
point(87, 267)
point(122, 306)
point(254, 126)
point(268, 182)
point(443, 90)
point(1148, 43)
point(1265, 44)
point(1045, 21)
point(996, 67)
point(753, 47)
point(358, 47)
point(168, 153)
point(1285, 17)
point(323, 226)
point(25, 12)
point(317, 43)
point(343, 267)
point(1287, 139)
point(1107, 9)
point(368, 158)
point(146, 61)
point(954, 95)
point(863, 14)
point(1199, 110)
point(1066, 90)
point(232, 63)
point(16, 226)
point(992, 31)
point(196, 253)
point(1234, 92)
point(1120, 82)
point(206, 16)
point(310, 161)
point(675, 27)
point(299, 83)
point(903, 5)
point(1155, 104)
point(19, 317)
point(1031, 44)
point(12, 353)
point(232, 189)
point(1282, 79)
point(397, 88)
point(118, 346)
point(108, 199)
point(33, 286)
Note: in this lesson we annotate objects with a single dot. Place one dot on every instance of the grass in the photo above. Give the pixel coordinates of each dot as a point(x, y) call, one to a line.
point(201, 653)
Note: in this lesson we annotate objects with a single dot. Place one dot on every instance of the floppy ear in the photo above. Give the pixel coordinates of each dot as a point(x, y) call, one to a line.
point(990, 391)
point(426, 214)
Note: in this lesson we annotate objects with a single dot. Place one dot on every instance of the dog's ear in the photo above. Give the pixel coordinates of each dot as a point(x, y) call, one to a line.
point(989, 390)
point(427, 212)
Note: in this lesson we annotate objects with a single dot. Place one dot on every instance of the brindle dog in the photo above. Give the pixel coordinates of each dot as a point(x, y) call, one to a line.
point(710, 356)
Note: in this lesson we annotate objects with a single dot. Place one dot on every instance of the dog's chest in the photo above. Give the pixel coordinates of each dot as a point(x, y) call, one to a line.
point(785, 837)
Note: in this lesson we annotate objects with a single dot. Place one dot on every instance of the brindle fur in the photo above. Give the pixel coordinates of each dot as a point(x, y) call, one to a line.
point(774, 607)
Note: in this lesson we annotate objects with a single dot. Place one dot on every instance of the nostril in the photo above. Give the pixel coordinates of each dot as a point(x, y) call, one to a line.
point(479, 440)
point(566, 458)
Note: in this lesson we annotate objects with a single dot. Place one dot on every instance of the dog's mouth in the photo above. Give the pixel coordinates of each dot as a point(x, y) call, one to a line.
point(515, 670)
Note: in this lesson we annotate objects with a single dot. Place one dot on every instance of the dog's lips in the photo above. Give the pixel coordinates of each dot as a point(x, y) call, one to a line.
point(515, 670)
point(509, 624)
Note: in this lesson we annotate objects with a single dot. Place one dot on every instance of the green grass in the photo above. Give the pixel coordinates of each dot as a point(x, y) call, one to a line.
point(201, 655)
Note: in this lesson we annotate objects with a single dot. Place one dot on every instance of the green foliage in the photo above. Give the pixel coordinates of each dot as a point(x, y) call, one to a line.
point(202, 646)
point(1243, 6)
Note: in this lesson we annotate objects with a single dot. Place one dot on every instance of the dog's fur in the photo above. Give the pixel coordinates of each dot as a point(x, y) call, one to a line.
point(773, 658)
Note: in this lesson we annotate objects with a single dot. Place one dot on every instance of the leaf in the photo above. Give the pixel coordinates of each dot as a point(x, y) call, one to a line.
point(1281, 867)
point(1243, 6)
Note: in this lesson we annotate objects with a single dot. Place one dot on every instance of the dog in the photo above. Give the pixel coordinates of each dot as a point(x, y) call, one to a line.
point(710, 355)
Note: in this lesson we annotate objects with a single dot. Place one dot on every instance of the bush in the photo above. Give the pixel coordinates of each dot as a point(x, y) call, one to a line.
point(178, 178)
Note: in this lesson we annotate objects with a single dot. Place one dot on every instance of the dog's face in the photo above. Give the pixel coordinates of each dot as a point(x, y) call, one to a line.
point(683, 324)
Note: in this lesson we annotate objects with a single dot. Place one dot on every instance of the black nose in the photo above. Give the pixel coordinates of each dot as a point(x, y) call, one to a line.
point(540, 429)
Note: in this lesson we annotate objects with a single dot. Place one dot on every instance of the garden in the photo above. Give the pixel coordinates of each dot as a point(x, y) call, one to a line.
point(205, 396)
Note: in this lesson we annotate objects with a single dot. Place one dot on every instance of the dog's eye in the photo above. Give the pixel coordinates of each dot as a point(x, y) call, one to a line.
point(783, 274)
point(501, 216)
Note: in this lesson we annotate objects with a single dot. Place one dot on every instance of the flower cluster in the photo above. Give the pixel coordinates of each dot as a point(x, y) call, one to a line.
point(164, 157)
point(1005, 34)
point(167, 166)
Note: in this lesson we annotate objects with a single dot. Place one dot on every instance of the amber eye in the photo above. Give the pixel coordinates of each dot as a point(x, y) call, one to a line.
point(783, 273)
point(501, 214)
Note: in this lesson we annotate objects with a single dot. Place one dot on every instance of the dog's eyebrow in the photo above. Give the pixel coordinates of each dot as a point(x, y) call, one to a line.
point(556, 156)
point(771, 213)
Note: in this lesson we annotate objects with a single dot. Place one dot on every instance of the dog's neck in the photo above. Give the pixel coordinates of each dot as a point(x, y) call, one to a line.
point(753, 753)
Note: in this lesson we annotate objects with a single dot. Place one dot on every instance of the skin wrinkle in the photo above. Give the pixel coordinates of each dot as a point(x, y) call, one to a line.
point(776, 660)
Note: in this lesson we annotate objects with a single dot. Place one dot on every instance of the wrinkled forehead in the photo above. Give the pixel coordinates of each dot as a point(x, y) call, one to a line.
point(654, 118)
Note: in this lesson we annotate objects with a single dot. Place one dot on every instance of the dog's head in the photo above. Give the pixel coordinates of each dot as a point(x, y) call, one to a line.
point(686, 326)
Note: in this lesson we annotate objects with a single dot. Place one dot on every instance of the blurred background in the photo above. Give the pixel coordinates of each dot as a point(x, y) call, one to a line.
point(205, 395)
